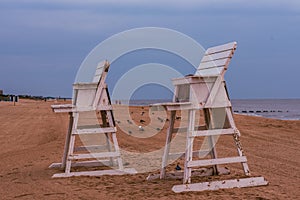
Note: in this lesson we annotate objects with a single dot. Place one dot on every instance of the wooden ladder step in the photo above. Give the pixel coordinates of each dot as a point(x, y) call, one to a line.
point(184, 129)
point(94, 155)
point(217, 161)
point(212, 132)
point(91, 148)
point(95, 130)
point(104, 107)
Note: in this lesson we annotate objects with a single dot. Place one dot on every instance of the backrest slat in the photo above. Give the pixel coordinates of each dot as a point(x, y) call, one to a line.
point(210, 72)
point(85, 93)
point(221, 48)
point(217, 56)
point(216, 60)
point(212, 64)
point(99, 71)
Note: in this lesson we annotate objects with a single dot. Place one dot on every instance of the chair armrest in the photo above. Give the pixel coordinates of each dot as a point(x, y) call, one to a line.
point(180, 81)
point(193, 79)
point(62, 108)
point(171, 106)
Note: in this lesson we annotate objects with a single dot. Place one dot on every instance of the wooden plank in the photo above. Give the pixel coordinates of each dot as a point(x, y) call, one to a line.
point(202, 172)
point(96, 78)
point(63, 110)
point(99, 71)
point(116, 145)
point(95, 130)
point(91, 108)
point(90, 163)
point(85, 86)
point(67, 140)
point(217, 56)
point(81, 108)
point(212, 132)
point(62, 106)
point(172, 104)
point(71, 143)
point(94, 155)
point(193, 80)
point(224, 184)
point(91, 148)
point(180, 81)
point(213, 64)
point(210, 72)
point(220, 48)
point(99, 94)
point(189, 147)
point(96, 173)
point(185, 107)
point(165, 157)
point(217, 161)
point(184, 129)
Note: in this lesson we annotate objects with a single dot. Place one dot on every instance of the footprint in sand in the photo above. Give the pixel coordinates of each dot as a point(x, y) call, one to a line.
point(23, 195)
point(56, 193)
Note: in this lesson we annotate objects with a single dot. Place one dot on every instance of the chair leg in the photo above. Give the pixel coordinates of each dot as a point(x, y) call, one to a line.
point(167, 146)
point(71, 144)
point(70, 152)
point(107, 119)
point(109, 147)
point(116, 145)
point(67, 141)
point(189, 147)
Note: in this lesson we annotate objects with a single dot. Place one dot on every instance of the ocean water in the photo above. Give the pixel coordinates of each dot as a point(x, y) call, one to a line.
point(285, 109)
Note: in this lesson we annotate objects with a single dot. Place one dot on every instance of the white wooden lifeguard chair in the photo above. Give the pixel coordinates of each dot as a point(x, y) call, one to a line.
point(206, 92)
point(90, 117)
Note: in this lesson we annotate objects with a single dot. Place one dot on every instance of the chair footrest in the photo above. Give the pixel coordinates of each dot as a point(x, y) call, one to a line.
point(97, 173)
point(224, 184)
point(217, 161)
point(95, 130)
point(94, 155)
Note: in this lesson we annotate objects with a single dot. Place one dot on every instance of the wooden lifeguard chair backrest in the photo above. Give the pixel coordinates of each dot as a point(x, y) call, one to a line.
point(216, 60)
point(207, 86)
point(84, 93)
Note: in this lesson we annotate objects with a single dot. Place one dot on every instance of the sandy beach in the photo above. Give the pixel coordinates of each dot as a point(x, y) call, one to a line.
point(32, 137)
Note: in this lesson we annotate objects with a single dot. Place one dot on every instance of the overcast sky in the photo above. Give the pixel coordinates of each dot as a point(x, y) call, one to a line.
point(43, 43)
